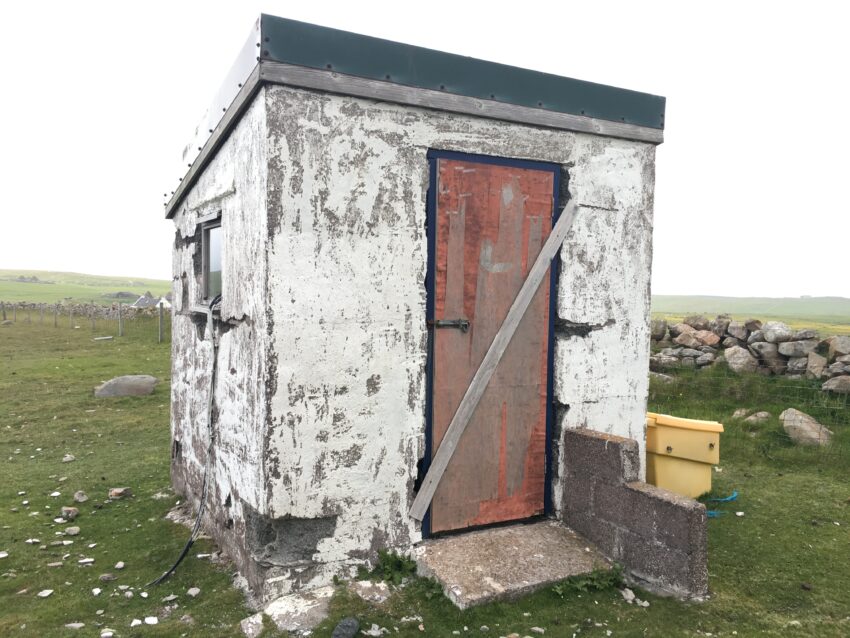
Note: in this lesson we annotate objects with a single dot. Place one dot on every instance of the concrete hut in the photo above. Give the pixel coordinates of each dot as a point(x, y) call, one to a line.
point(368, 212)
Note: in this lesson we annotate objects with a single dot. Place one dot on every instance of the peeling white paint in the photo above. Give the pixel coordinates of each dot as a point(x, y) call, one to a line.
point(323, 213)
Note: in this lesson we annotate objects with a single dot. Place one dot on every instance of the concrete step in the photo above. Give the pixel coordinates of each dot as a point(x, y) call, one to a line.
point(506, 562)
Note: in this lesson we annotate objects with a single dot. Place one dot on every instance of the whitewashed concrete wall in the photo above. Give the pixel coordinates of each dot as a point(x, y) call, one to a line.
point(234, 183)
point(347, 263)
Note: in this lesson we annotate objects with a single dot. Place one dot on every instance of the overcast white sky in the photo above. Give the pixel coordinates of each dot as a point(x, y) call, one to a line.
point(99, 99)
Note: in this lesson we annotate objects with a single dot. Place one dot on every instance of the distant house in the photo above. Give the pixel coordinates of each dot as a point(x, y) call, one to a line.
point(147, 300)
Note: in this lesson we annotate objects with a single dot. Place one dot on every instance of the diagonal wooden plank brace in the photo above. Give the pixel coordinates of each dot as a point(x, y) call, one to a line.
point(488, 365)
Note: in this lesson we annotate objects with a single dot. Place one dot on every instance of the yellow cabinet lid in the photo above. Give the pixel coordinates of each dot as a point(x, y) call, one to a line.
point(654, 419)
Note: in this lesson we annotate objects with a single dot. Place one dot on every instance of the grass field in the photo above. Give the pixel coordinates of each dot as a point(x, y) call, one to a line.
point(795, 531)
point(830, 315)
point(71, 286)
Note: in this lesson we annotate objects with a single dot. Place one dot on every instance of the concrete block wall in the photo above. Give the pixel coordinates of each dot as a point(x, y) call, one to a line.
point(658, 536)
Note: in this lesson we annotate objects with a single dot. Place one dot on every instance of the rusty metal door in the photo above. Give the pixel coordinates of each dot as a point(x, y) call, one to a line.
point(488, 219)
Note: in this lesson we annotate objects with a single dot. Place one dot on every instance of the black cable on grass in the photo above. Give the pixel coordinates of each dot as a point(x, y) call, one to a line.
point(196, 528)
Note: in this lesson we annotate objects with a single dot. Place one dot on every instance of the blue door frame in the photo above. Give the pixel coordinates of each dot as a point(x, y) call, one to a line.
point(431, 231)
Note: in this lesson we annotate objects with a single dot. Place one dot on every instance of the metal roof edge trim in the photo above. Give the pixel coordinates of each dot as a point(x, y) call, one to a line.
point(269, 72)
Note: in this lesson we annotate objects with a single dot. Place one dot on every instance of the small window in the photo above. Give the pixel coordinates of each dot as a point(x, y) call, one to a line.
point(212, 259)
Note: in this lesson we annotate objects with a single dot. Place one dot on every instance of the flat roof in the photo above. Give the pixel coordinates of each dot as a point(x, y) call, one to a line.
point(284, 51)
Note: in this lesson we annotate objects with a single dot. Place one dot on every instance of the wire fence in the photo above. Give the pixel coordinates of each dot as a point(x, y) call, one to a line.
point(752, 407)
point(117, 320)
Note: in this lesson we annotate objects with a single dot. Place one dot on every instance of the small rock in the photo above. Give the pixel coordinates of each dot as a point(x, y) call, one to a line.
point(55, 494)
point(135, 622)
point(346, 628)
point(128, 594)
point(107, 578)
point(96, 591)
point(44, 593)
point(131, 385)
point(4, 554)
point(80, 497)
point(538, 630)
point(72, 531)
point(70, 513)
point(119, 492)
point(75, 625)
point(144, 594)
point(151, 620)
point(252, 626)
point(627, 594)
point(806, 586)
point(107, 633)
point(119, 564)
point(758, 417)
point(193, 592)
point(32, 541)
point(740, 413)
point(57, 564)
point(375, 630)
point(169, 598)
point(68, 458)
point(739, 513)
point(86, 561)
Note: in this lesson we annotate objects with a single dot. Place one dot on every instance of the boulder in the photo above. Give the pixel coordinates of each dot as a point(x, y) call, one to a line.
point(845, 359)
point(671, 352)
point(777, 332)
point(836, 369)
point(705, 359)
point(816, 366)
point(679, 328)
point(660, 362)
point(687, 362)
point(718, 326)
point(731, 342)
point(838, 347)
point(661, 378)
point(132, 385)
point(688, 352)
point(768, 353)
point(758, 417)
point(756, 336)
point(752, 325)
point(740, 413)
point(737, 330)
point(688, 340)
point(707, 337)
point(839, 385)
point(798, 365)
point(740, 360)
point(803, 429)
point(798, 348)
point(805, 335)
point(708, 349)
point(658, 329)
point(697, 322)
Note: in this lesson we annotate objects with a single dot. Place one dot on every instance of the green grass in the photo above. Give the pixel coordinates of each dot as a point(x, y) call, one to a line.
point(72, 286)
point(791, 497)
point(829, 315)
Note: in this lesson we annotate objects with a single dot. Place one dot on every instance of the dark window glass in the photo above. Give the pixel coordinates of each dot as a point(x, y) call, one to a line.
point(212, 266)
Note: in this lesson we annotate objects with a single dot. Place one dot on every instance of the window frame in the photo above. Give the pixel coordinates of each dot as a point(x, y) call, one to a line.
point(208, 223)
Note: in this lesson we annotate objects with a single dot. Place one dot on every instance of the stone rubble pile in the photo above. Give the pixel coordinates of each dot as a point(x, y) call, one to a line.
point(771, 348)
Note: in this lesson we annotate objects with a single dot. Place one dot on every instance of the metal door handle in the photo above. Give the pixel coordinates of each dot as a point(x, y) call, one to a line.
point(462, 324)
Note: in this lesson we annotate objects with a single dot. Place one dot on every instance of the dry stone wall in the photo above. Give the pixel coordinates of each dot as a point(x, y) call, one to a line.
point(770, 348)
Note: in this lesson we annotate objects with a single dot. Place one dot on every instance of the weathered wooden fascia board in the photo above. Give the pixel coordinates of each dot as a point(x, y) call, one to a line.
point(302, 77)
point(485, 371)
point(216, 139)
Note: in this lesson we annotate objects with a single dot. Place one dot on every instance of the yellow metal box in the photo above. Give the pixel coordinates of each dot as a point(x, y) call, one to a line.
point(680, 453)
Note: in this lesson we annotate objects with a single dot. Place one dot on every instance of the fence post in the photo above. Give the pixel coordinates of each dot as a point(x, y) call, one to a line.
point(120, 319)
point(29, 313)
point(41, 311)
point(56, 316)
point(92, 317)
point(15, 312)
point(3, 310)
point(161, 313)
point(71, 317)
